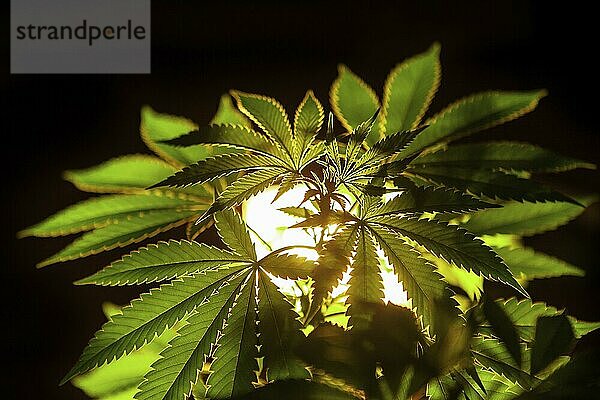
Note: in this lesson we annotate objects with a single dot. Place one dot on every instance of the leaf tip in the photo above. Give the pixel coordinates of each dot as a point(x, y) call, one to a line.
point(435, 47)
point(342, 68)
point(24, 233)
point(46, 262)
point(85, 281)
point(540, 94)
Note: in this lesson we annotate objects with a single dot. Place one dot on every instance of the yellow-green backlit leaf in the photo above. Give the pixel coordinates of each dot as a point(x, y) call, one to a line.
point(101, 211)
point(156, 128)
point(228, 114)
point(408, 91)
point(353, 101)
point(523, 218)
point(475, 113)
point(122, 174)
point(120, 234)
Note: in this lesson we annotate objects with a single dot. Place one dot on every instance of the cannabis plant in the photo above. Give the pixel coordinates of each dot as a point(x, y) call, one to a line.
point(378, 294)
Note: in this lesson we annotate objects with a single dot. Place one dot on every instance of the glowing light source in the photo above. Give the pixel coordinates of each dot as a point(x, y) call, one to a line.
point(269, 229)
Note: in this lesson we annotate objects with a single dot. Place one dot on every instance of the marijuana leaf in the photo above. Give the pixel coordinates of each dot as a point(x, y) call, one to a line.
point(409, 89)
point(130, 213)
point(390, 197)
point(279, 154)
point(210, 286)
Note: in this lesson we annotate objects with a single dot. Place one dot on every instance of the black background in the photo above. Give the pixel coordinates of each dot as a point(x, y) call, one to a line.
point(202, 49)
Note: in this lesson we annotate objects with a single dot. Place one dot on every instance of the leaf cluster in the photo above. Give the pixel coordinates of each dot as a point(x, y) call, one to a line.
point(390, 193)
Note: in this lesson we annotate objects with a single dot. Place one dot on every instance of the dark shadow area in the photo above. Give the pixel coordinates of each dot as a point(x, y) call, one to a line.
point(199, 51)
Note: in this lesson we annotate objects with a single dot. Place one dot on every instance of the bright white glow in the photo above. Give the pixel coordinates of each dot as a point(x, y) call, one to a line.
point(263, 217)
point(393, 289)
point(268, 224)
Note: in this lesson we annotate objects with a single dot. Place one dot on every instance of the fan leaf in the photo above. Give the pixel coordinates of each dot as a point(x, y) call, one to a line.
point(173, 374)
point(227, 113)
point(269, 115)
point(279, 333)
point(287, 266)
point(156, 128)
point(422, 283)
point(454, 245)
point(244, 188)
point(353, 101)
point(308, 120)
point(219, 166)
point(524, 315)
point(475, 113)
point(523, 218)
point(130, 173)
point(228, 136)
point(492, 184)
point(162, 261)
point(234, 365)
point(528, 264)
point(148, 317)
point(234, 233)
point(510, 156)
point(121, 233)
point(365, 282)
point(409, 89)
point(421, 200)
point(492, 355)
point(101, 211)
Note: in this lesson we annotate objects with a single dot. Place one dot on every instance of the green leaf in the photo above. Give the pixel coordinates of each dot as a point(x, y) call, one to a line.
point(308, 120)
point(511, 156)
point(228, 136)
point(503, 329)
point(365, 282)
point(228, 114)
point(219, 166)
point(524, 315)
point(352, 100)
point(471, 390)
point(496, 387)
point(244, 188)
point(421, 200)
point(470, 282)
point(156, 128)
point(492, 184)
point(409, 89)
point(234, 365)
point(234, 233)
point(148, 317)
point(420, 280)
point(174, 373)
point(279, 333)
point(553, 338)
point(454, 245)
point(119, 379)
point(523, 218)
point(300, 212)
point(269, 115)
point(121, 233)
point(333, 261)
point(287, 266)
point(528, 264)
point(375, 162)
point(131, 173)
point(577, 379)
point(101, 211)
point(162, 261)
point(475, 113)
